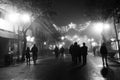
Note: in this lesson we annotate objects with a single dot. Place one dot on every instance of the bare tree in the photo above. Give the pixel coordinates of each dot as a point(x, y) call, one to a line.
point(41, 10)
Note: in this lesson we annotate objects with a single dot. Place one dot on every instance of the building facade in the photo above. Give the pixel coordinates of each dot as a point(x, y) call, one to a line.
point(8, 44)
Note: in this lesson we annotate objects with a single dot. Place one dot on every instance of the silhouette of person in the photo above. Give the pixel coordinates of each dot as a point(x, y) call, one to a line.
point(34, 51)
point(94, 50)
point(28, 55)
point(56, 50)
point(84, 51)
point(104, 52)
point(76, 52)
point(79, 54)
point(71, 52)
point(62, 50)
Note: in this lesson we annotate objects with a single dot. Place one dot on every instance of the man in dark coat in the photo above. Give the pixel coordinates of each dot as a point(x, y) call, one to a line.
point(79, 54)
point(104, 52)
point(94, 50)
point(28, 55)
point(34, 51)
point(75, 52)
point(71, 52)
point(62, 50)
point(56, 50)
point(84, 51)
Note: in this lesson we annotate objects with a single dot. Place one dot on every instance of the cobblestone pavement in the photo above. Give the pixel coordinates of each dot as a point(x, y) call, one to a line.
point(62, 69)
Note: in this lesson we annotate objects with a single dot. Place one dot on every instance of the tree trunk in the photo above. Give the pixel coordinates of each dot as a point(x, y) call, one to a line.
point(24, 46)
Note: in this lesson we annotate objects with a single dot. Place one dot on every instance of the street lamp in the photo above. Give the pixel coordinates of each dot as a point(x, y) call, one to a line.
point(62, 38)
point(19, 19)
point(45, 43)
point(100, 28)
point(13, 17)
point(25, 18)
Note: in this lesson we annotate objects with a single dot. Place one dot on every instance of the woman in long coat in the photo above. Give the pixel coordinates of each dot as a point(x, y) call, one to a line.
point(34, 51)
point(28, 55)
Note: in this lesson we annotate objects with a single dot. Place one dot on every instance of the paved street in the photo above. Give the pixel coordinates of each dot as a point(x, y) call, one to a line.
point(51, 69)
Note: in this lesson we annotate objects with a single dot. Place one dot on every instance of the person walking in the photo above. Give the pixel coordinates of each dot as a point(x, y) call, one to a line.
point(28, 55)
point(79, 54)
point(71, 52)
point(104, 52)
point(94, 50)
point(75, 52)
point(56, 50)
point(34, 51)
point(84, 51)
point(62, 50)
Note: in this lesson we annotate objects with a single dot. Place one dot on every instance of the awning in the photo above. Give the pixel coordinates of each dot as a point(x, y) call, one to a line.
point(7, 34)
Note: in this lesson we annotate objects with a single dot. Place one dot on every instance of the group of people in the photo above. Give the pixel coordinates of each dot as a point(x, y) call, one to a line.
point(59, 52)
point(78, 53)
point(34, 51)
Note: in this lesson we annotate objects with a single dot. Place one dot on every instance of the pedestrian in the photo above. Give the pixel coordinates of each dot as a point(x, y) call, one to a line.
point(11, 53)
point(94, 50)
point(62, 50)
point(34, 51)
point(79, 54)
point(75, 52)
point(104, 52)
point(56, 50)
point(84, 50)
point(28, 55)
point(71, 52)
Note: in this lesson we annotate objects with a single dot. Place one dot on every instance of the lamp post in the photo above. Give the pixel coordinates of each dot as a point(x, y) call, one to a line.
point(116, 20)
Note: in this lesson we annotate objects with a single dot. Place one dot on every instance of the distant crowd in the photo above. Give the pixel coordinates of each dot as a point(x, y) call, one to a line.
point(79, 53)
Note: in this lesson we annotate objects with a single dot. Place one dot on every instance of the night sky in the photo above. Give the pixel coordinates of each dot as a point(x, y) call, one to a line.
point(70, 11)
point(78, 11)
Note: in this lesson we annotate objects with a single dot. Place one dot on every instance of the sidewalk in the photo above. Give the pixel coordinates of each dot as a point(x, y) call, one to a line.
point(116, 60)
point(19, 63)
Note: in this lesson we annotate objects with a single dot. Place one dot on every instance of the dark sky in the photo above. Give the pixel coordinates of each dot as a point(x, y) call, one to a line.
point(70, 11)
point(76, 10)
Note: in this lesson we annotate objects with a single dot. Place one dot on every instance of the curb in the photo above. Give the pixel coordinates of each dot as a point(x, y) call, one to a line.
point(116, 61)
